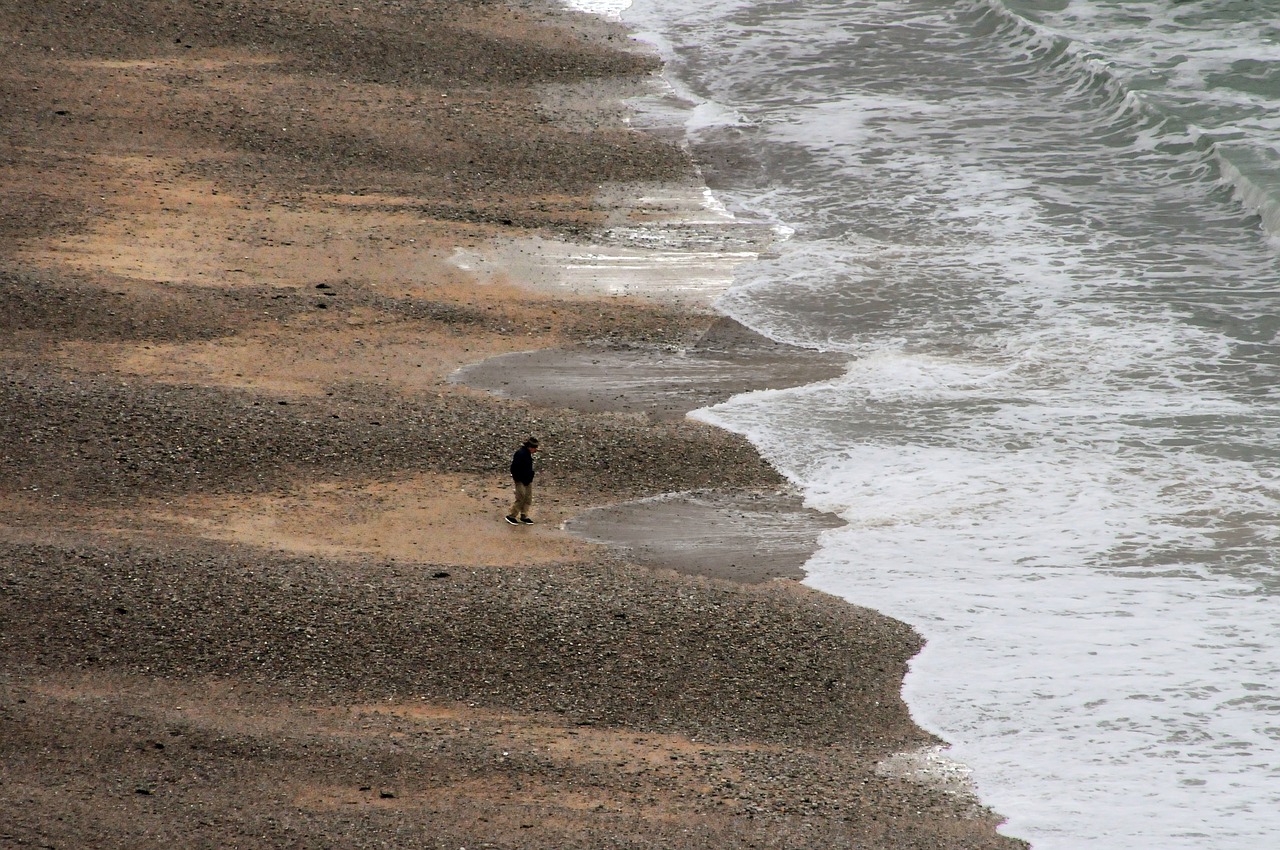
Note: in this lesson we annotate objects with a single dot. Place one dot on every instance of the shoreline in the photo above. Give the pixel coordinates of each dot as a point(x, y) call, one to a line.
point(257, 590)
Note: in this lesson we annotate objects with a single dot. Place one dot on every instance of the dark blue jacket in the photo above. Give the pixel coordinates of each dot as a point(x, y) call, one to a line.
point(522, 465)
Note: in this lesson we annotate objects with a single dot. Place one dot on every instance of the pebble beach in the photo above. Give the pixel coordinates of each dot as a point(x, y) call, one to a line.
point(255, 586)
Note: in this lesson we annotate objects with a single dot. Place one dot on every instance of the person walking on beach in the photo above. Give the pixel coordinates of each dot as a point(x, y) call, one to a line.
point(522, 475)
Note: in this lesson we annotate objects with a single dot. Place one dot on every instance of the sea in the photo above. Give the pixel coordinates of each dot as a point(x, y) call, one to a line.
point(1046, 234)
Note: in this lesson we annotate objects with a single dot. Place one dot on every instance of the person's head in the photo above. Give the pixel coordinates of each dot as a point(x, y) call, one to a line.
point(531, 444)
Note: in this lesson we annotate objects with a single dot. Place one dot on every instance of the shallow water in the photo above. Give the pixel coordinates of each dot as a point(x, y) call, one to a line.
point(1043, 233)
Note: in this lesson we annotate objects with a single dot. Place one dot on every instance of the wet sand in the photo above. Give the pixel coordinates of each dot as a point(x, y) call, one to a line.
point(744, 537)
point(662, 382)
point(255, 588)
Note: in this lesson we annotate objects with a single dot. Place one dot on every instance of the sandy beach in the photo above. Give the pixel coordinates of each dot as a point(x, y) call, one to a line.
point(256, 590)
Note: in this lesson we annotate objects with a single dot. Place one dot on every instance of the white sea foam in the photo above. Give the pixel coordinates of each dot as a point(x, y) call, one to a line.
point(1082, 685)
point(1055, 446)
point(1069, 648)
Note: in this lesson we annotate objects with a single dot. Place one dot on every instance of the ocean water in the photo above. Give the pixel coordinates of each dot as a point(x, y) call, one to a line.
point(1045, 233)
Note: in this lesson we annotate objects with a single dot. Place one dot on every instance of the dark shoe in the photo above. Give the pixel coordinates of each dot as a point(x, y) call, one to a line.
point(512, 520)
point(526, 520)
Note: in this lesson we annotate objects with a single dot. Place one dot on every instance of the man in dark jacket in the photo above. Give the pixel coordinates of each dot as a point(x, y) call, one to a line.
point(522, 475)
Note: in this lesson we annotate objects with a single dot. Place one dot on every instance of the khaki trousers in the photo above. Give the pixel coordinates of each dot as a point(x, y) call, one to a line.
point(524, 498)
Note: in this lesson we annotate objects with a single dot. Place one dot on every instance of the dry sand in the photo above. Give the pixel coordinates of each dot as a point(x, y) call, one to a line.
point(255, 590)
